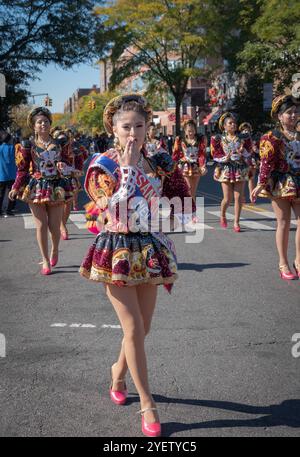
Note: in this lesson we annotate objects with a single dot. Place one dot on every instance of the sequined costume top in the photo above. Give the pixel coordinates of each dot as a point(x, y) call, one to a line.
point(277, 153)
point(39, 163)
point(190, 152)
point(109, 185)
point(231, 150)
point(153, 147)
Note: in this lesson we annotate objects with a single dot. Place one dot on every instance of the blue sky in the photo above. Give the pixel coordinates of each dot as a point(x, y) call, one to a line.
point(60, 84)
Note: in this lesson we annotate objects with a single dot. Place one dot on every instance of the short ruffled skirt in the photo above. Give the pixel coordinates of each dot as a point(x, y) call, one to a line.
point(51, 191)
point(231, 173)
point(191, 169)
point(130, 259)
point(282, 186)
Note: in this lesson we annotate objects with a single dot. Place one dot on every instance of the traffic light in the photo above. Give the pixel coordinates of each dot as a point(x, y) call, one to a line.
point(93, 105)
point(90, 105)
point(49, 101)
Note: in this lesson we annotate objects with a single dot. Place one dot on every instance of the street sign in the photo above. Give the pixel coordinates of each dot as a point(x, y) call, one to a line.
point(2, 85)
point(268, 96)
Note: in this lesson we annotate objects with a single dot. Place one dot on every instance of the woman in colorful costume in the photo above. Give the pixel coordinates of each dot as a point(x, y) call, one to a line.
point(246, 130)
point(153, 145)
point(232, 154)
point(190, 153)
point(81, 154)
point(43, 181)
point(129, 258)
point(279, 177)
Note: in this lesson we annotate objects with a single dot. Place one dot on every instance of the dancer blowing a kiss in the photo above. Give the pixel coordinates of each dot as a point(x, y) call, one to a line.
point(130, 259)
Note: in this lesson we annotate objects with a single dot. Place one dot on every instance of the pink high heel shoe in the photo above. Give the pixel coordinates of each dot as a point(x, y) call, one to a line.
point(118, 396)
point(53, 261)
point(236, 228)
point(64, 235)
point(287, 276)
point(45, 270)
point(153, 429)
point(297, 268)
point(223, 222)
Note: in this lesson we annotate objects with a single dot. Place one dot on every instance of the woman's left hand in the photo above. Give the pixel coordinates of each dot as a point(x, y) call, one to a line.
point(255, 192)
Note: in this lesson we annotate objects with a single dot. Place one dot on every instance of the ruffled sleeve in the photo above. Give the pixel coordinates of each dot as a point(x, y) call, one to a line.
point(267, 155)
point(23, 162)
point(216, 149)
point(202, 152)
point(174, 185)
point(79, 158)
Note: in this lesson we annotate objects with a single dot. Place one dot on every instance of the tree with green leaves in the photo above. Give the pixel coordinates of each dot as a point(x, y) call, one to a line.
point(167, 37)
point(87, 119)
point(274, 52)
point(38, 32)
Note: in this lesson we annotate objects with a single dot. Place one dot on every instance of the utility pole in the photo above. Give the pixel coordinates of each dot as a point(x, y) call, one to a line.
point(2, 86)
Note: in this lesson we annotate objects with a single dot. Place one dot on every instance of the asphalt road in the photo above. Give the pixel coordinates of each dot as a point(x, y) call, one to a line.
point(219, 353)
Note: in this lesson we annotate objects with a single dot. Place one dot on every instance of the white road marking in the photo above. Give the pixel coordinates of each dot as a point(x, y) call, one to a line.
point(79, 325)
point(78, 219)
point(58, 325)
point(110, 326)
point(245, 222)
point(268, 214)
point(28, 221)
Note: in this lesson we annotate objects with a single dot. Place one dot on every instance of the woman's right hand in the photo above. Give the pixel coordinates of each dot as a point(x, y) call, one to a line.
point(131, 154)
point(12, 194)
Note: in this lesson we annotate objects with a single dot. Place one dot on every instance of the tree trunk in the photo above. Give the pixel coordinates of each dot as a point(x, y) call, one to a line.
point(178, 100)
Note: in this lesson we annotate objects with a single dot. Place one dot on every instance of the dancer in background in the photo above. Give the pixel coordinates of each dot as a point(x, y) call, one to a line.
point(232, 155)
point(79, 154)
point(190, 154)
point(279, 177)
point(41, 182)
point(246, 132)
point(129, 259)
point(153, 145)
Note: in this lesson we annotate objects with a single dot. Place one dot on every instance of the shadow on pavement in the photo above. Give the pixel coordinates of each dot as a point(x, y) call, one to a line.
point(285, 414)
point(201, 267)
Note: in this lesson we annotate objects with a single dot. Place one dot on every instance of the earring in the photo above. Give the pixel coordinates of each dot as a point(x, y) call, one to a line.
point(116, 142)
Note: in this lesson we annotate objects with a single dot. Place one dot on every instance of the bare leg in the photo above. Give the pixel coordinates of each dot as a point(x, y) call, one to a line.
point(40, 216)
point(282, 210)
point(227, 197)
point(147, 294)
point(65, 216)
point(251, 182)
point(194, 181)
point(296, 209)
point(126, 304)
point(75, 200)
point(54, 219)
point(238, 201)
